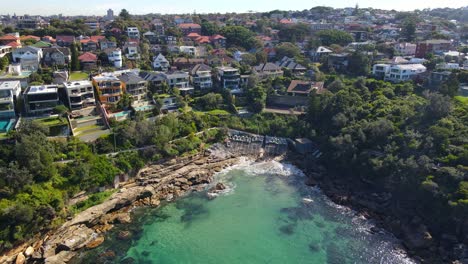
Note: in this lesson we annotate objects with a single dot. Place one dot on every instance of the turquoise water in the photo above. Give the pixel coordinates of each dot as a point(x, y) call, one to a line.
point(5, 125)
point(262, 218)
point(144, 108)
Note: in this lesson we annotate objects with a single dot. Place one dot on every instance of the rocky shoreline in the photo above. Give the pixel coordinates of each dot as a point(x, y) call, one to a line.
point(379, 207)
point(153, 184)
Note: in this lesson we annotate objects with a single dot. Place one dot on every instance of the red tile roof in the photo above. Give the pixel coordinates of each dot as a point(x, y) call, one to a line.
point(68, 39)
point(193, 35)
point(8, 37)
point(13, 44)
point(97, 38)
point(87, 57)
point(203, 39)
point(22, 38)
point(217, 36)
point(189, 25)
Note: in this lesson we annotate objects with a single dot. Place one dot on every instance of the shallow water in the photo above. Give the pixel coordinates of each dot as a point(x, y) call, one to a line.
point(261, 219)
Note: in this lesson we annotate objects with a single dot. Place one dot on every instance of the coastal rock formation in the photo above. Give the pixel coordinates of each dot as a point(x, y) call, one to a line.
point(152, 184)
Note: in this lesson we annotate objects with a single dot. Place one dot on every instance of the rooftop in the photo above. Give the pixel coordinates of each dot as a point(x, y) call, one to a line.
point(74, 84)
point(8, 85)
point(42, 89)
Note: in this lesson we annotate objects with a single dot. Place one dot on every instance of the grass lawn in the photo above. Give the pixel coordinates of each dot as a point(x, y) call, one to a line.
point(51, 121)
point(76, 76)
point(462, 99)
point(214, 112)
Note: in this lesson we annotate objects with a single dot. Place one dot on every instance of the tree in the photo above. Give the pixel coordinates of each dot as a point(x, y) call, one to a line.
point(124, 14)
point(451, 86)
point(287, 49)
point(333, 36)
point(257, 98)
point(249, 59)
point(238, 36)
point(75, 63)
point(261, 57)
point(358, 64)
point(209, 101)
point(208, 28)
point(408, 30)
point(4, 61)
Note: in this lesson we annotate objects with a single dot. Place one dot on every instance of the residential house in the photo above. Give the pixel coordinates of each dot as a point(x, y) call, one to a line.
point(133, 33)
point(398, 72)
point(89, 44)
point(338, 61)
point(317, 54)
point(114, 55)
point(65, 41)
point(229, 77)
point(10, 40)
point(268, 70)
point(218, 41)
point(151, 37)
point(9, 93)
point(56, 56)
point(41, 99)
point(188, 28)
point(109, 88)
point(160, 63)
point(136, 86)
point(171, 40)
point(4, 50)
point(106, 44)
point(80, 94)
point(93, 24)
point(179, 80)
point(155, 80)
point(200, 76)
point(435, 46)
point(189, 50)
point(448, 66)
point(132, 50)
point(186, 63)
point(438, 78)
point(29, 57)
point(405, 49)
point(290, 64)
point(88, 61)
point(303, 88)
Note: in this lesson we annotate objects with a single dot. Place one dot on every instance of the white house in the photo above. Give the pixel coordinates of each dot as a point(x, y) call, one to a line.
point(80, 94)
point(190, 50)
point(317, 54)
point(115, 56)
point(133, 33)
point(405, 48)
point(160, 63)
point(9, 93)
point(397, 72)
point(448, 66)
point(29, 57)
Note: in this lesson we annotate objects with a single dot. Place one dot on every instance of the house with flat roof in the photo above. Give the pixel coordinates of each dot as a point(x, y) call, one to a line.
point(397, 72)
point(179, 80)
point(4, 50)
point(41, 99)
point(109, 88)
point(9, 93)
point(133, 33)
point(229, 77)
point(80, 94)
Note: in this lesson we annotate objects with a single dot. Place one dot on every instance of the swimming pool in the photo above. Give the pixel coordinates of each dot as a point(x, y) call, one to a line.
point(6, 124)
point(144, 108)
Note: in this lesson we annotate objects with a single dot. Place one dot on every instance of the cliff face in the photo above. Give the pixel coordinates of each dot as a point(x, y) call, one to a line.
point(152, 184)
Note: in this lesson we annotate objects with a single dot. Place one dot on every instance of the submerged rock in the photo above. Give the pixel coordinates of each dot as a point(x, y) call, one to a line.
point(124, 235)
point(287, 229)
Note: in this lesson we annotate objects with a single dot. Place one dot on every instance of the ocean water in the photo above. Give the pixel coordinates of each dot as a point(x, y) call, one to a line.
point(267, 215)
